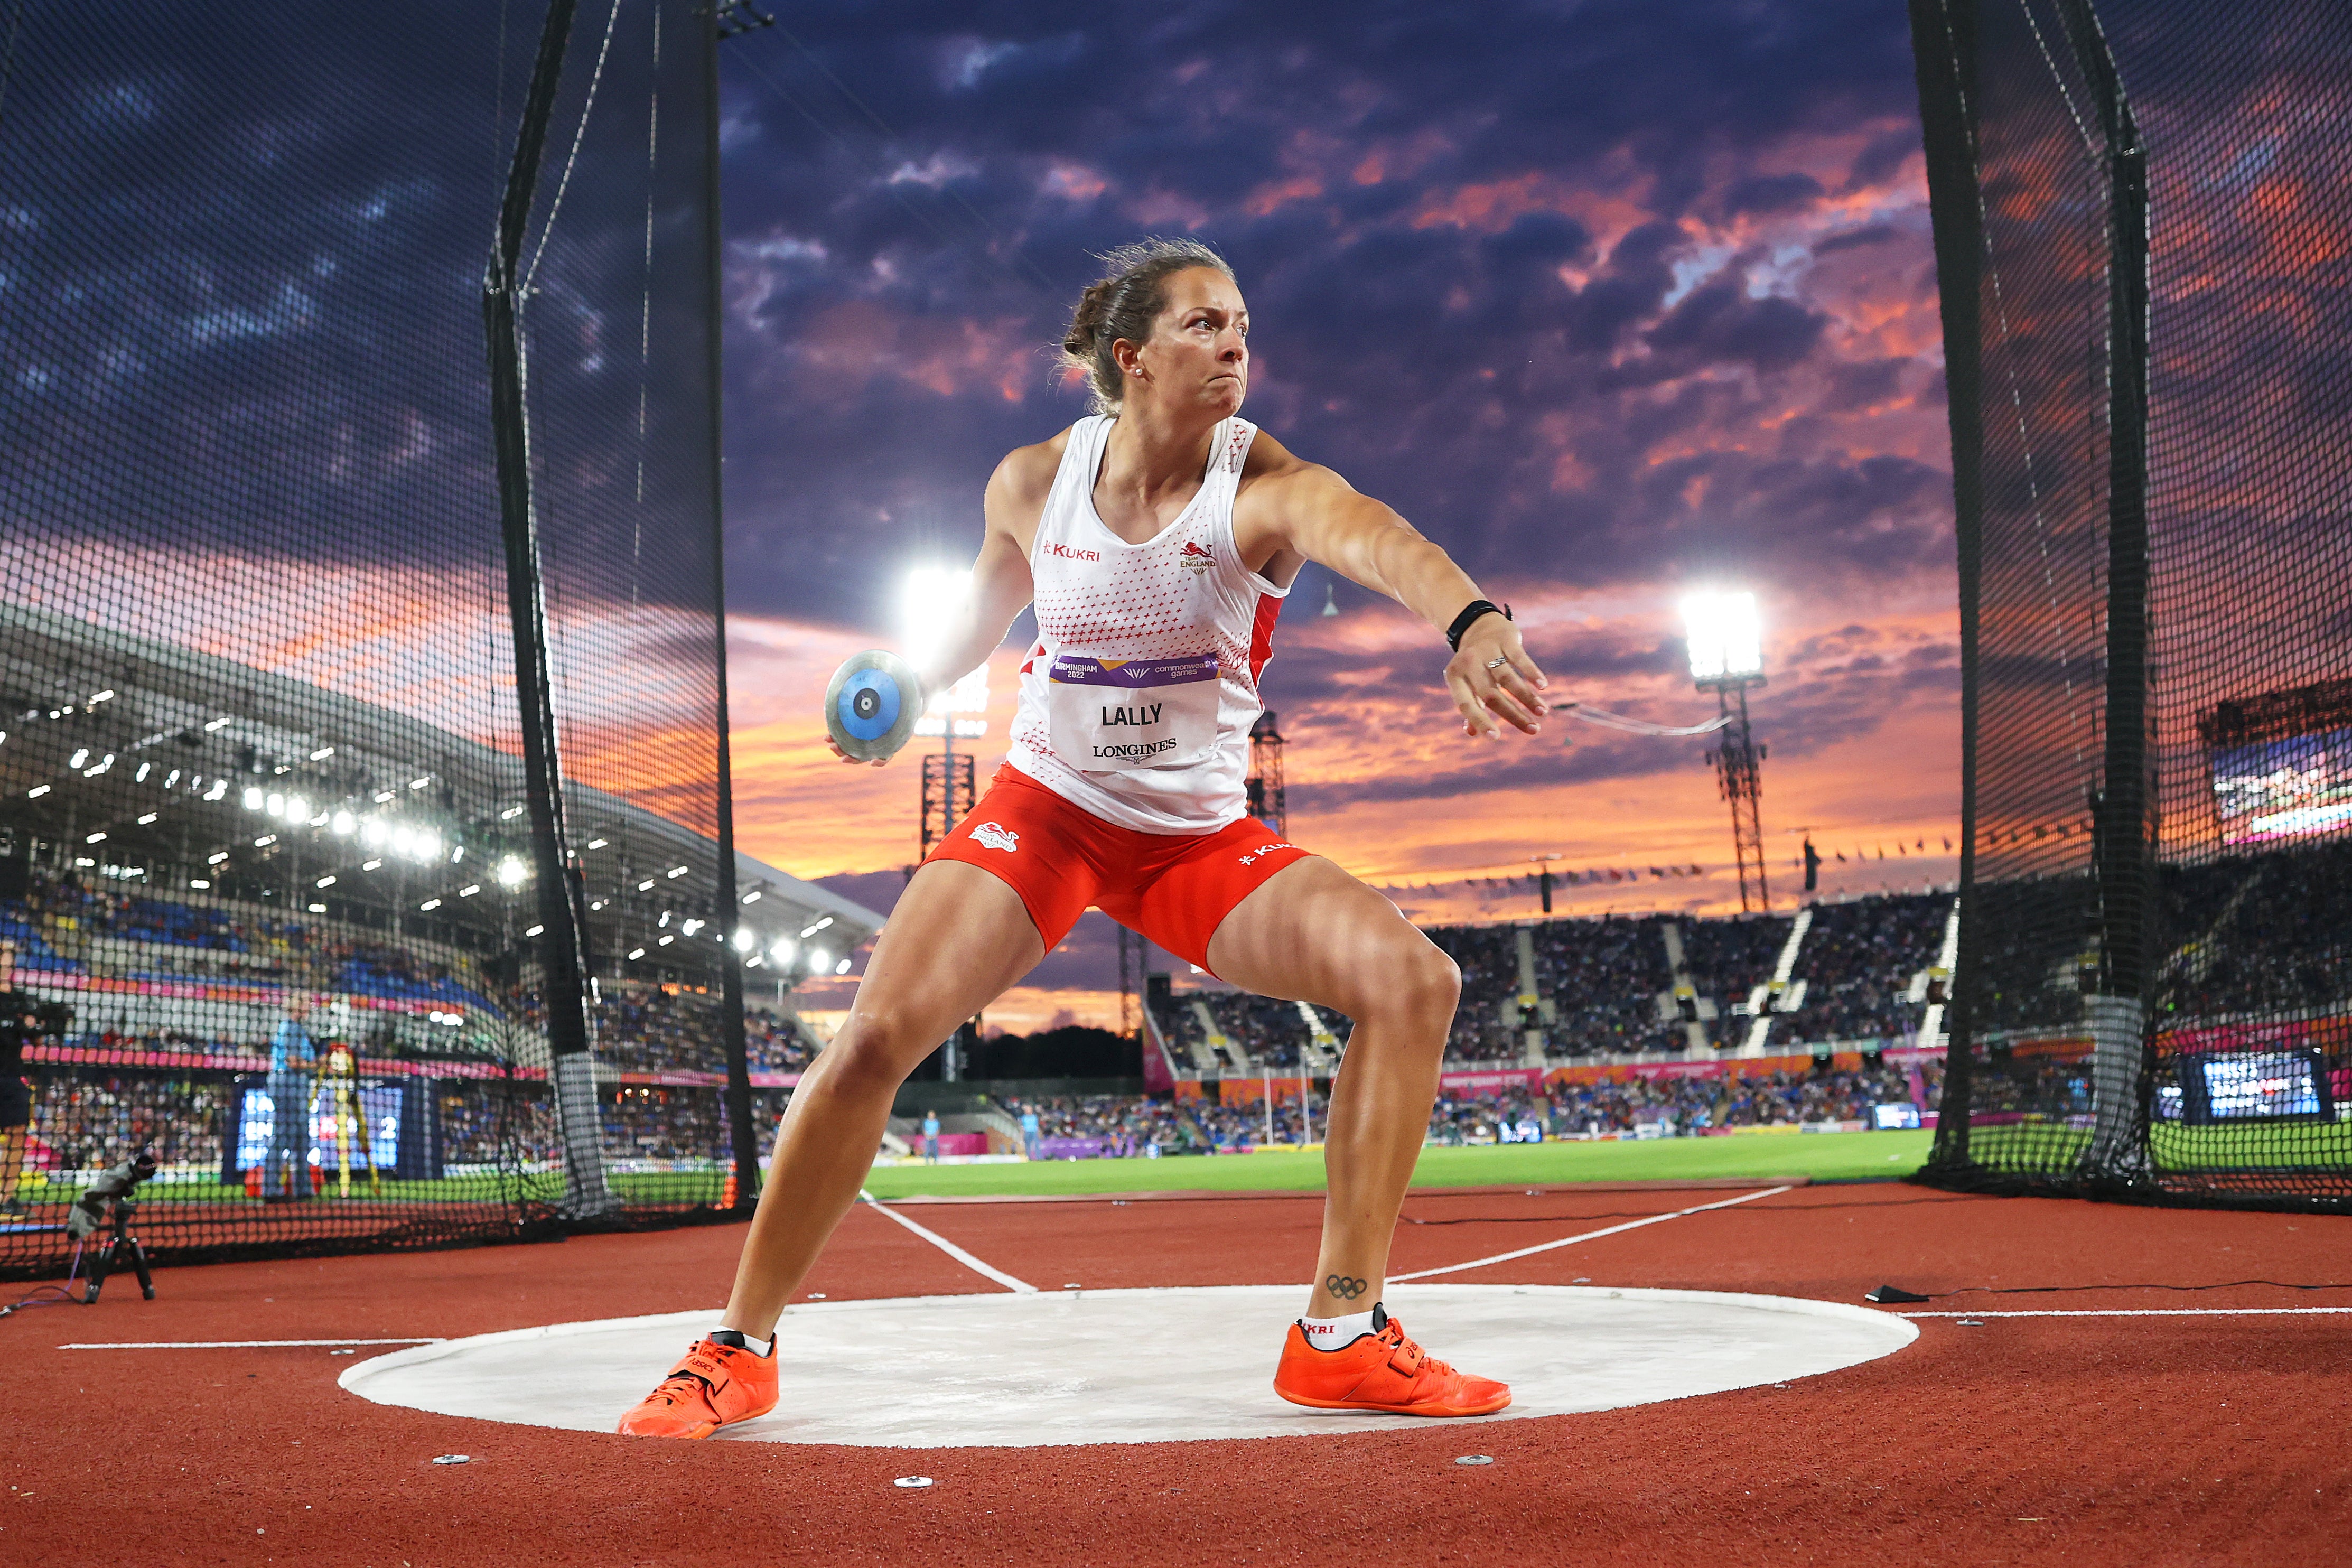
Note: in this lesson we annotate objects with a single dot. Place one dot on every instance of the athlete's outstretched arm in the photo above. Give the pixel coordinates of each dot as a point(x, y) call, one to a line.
point(1330, 522)
point(1000, 589)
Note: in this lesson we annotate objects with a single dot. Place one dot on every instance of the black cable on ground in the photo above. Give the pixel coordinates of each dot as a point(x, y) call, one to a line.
point(2048, 1289)
point(46, 1296)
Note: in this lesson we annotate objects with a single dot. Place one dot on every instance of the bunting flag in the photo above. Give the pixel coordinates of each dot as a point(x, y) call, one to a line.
point(1507, 886)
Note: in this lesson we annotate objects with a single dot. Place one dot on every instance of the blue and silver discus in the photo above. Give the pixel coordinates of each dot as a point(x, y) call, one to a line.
point(872, 705)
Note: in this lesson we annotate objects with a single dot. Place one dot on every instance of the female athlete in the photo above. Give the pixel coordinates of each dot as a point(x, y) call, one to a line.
point(1157, 540)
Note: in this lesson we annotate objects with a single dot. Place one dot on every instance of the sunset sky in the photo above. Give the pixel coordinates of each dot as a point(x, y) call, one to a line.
point(1613, 301)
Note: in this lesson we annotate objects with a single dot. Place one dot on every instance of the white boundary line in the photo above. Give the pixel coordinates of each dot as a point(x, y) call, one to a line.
point(1019, 1287)
point(2146, 1313)
point(243, 1345)
point(1590, 1236)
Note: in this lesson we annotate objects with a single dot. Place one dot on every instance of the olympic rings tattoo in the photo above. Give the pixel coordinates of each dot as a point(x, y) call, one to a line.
point(1346, 1289)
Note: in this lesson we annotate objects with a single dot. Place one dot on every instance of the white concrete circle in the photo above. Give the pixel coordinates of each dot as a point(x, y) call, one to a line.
point(1134, 1366)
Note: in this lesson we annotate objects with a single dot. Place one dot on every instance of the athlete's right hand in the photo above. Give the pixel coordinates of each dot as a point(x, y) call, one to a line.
point(834, 746)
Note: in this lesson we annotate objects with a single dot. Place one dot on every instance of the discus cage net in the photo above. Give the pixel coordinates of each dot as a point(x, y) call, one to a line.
point(271, 855)
point(2140, 211)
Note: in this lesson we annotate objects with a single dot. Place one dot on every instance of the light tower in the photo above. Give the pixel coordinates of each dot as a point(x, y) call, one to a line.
point(1726, 657)
point(1265, 794)
point(930, 603)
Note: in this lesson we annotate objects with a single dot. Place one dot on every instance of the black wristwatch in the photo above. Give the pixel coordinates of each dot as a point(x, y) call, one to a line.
point(1471, 612)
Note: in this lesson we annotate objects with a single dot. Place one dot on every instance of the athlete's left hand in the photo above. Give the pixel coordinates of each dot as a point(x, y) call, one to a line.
point(1492, 677)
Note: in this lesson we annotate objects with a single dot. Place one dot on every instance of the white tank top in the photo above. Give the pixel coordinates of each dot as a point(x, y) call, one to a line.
point(1136, 702)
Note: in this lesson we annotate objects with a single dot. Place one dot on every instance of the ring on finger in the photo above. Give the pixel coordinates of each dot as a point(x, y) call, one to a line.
point(1496, 663)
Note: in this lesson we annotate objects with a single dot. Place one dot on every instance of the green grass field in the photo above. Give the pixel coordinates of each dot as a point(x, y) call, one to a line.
point(1845, 1155)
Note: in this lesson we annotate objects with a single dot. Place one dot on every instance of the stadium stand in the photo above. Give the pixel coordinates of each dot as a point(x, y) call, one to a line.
point(2279, 939)
point(1608, 990)
point(144, 1077)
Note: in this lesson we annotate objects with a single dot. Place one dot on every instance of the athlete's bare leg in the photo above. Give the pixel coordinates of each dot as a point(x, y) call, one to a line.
point(1313, 933)
point(957, 939)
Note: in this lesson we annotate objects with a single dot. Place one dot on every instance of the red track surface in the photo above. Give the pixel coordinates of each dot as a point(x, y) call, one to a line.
point(2088, 1441)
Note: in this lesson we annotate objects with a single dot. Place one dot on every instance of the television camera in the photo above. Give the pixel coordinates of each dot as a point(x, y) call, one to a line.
point(108, 1202)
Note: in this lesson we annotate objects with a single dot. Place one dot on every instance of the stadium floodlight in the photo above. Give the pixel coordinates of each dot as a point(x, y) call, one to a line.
point(743, 940)
point(343, 824)
point(819, 961)
point(1727, 639)
point(252, 798)
point(842, 968)
point(510, 872)
point(928, 603)
point(784, 950)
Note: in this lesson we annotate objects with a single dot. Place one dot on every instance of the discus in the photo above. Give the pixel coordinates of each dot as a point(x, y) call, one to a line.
point(872, 705)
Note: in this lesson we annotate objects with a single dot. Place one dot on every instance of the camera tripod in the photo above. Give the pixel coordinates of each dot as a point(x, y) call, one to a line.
point(121, 1250)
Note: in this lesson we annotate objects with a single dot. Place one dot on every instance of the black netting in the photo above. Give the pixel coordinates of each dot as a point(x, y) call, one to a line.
point(2155, 501)
point(263, 837)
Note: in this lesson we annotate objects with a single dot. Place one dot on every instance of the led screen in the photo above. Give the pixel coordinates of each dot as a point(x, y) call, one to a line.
point(1902, 1114)
point(2278, 1083)
point(2288, 788)
point(379, 1104)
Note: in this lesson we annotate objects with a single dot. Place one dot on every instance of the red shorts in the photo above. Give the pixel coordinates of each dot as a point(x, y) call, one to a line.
point(1061, 859)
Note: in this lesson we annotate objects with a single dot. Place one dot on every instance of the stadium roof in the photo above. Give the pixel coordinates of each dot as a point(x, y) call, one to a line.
point(148, 764)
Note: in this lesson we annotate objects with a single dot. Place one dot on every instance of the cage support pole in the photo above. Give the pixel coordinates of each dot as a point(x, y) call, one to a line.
point(1943, 55)
point(2122, 846)
point(563, 914)
point(745, 1140)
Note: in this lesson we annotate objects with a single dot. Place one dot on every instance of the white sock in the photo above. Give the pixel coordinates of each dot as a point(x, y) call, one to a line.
point(760, 1348)
point(1331, 1333)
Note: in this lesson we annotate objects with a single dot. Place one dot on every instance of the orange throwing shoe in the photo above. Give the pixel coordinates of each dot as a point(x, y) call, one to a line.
point(715, 1386)
point(1382, 1370)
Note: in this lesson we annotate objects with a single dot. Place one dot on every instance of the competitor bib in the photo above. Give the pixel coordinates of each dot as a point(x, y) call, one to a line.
point(1112, 714)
